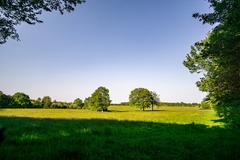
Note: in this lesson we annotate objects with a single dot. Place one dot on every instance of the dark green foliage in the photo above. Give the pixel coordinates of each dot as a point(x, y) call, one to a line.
point(170, 104)
point(5, 100)
point(13, 13)
point(155, 99)
point(87, 103)
point(141, 98)
point(177, 104)
point(124, 103)
point(217, 57)
point(206, 105)
point(2, 135)
point(77, 104)
point(46, 102)
point(60, 105)
point(37, 103)
point(21, 100)
point(99, 100)
point(31, 138)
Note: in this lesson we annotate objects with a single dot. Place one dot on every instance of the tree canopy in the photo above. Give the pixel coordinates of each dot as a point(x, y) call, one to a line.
point(5, 100)
point(46, 102)
point(141, 98)
point(21, 99)
point(99, 100)
point(87, 103)
point(217, 58)
point(155, 99)
point(77, 103)
point(15, 12)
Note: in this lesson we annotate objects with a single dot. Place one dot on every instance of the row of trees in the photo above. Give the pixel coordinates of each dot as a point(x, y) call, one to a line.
point(169, 104)
point(99, 100)
point(21, 100)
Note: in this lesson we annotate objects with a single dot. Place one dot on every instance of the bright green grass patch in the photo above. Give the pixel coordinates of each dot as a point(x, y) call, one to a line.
point(180, 115)
point(122, 133)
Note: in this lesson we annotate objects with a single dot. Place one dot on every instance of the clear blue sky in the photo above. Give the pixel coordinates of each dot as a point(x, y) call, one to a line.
point(119, 44)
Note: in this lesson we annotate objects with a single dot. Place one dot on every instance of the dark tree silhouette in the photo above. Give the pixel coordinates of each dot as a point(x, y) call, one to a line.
point(2, 136)
point(14, 12)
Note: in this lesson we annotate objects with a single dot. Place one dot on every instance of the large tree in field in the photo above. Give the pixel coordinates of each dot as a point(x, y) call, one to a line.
point(14, 12)
point(141, 98)
point(100, 99)
point(21, 100)
point(217, 57)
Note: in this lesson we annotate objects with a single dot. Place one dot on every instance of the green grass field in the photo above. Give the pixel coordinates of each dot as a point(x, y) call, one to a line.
point(180, 115)
point(122, 133)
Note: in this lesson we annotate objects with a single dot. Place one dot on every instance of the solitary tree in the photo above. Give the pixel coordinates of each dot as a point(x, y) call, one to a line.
point(21, 100)
point(141, 98)
point(46, 102)
point(100, 99)
point(217, 57)
point(14, 12)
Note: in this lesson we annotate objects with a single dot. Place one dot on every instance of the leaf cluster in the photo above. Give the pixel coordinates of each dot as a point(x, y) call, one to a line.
point(15, 12)
point(217, 58)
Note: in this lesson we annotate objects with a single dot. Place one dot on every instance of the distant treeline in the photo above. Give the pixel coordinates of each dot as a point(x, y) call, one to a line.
point(178, 104)
point(173, 104)
point(99, 101)
point(22, 100)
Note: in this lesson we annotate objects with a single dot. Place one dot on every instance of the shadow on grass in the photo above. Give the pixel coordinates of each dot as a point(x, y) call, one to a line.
point(219, 120)
point(29, 138)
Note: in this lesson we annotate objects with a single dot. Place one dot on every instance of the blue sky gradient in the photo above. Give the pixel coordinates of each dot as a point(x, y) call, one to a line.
point(117, 44)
